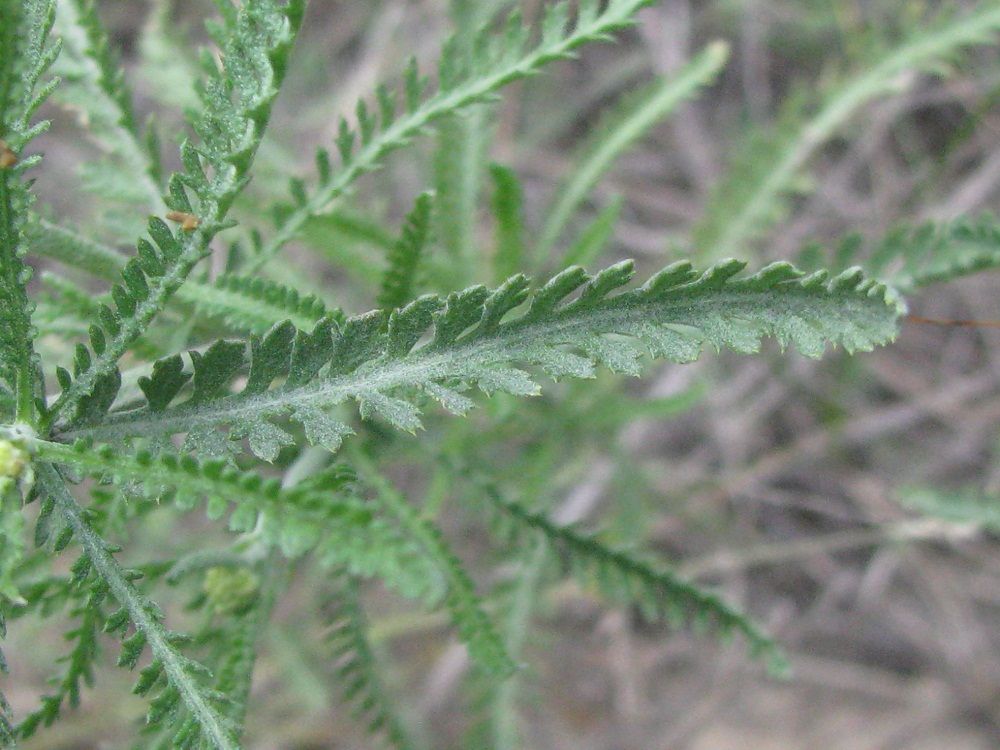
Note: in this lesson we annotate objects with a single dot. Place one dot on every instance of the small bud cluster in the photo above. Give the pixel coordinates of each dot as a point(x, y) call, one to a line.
point(12, 460)
point(14, 465)
point(230, 590)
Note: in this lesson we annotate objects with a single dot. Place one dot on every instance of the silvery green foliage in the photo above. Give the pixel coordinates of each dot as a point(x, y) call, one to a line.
point(24, 29)
point(236, 104)
point(127, 176)
point(238, 301)
point(660, 593)
point(402, 274)
point(443, 346)
point(27, 54)
point(296, 364)
point(765, 166)
point(464, 80)
point(911, 257)
point(236, 97)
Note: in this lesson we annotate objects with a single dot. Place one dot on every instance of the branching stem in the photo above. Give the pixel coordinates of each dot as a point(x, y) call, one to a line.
point(137, 607)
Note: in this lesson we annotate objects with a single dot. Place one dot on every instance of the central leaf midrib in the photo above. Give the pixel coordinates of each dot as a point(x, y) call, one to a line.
point(508, 344)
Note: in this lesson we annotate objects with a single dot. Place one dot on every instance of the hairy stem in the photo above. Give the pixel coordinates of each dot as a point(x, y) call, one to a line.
point(14, 296)
point(138, 608)
point(411, 124)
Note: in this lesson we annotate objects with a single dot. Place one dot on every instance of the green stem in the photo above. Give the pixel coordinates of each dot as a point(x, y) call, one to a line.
point(412, 123)
point(24, 381)
point(174, 664)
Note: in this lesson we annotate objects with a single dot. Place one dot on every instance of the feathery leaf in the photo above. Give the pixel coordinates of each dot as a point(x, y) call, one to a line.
point(255, 304)
point(404, 258)
point(94, 87)
point(236, 102)
point(745, 203)
point(661, 594)
point(321, 514)
point(375, 358)
point(24, 28)
point(242, 303)
point(475, 628)
point(80, 662)
point(508, 205)
point(497, 60)
point(183, 676)
point(911, 257)
point(630, 120)
point(357, 670)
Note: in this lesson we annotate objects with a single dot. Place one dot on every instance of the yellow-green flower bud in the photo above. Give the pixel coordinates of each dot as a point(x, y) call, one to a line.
point(12, 460)
point(230, 590)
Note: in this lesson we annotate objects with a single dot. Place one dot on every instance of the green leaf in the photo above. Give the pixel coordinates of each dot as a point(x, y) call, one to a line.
point(24, 28)
point(746, 203)
point(474, 338)
point(912, 257)
point(404, 257)
point(508, 205)
point(624, 578)
point(497, 60)
point(94, 88)
point(183, 675)
point(236, 104)
point(322, 514)
point(357, 668)
point(242, 303)
point(255, 304)
point(475, 628)
point(79, 664)
point(628, 123)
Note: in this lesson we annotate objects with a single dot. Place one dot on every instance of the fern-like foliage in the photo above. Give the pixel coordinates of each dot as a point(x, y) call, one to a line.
point(462, 142)
point(240, 599)
point(620, 129)
point(474, 626)
point(242, 303)
point(323, 514)
point(404, 258)
point(235, 674)
point(236, 99)
point(176, 681)
point(508, 210)
point(13, 466)
point(747, 202)
point(912, 257)
point(256, 304)
point(135, 423)
point(464, 80)
point(51, 240)
point(356, 666)
point(375, 358)
point(624, 578)
point(24, 28)
point(27, 55)
point(89, 617)
point(93, 85)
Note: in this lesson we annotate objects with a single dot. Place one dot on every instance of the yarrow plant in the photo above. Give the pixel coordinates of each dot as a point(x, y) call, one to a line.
point(239, 392)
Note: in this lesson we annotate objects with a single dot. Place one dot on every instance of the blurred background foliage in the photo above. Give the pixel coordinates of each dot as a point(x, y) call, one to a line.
point(824, 497)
